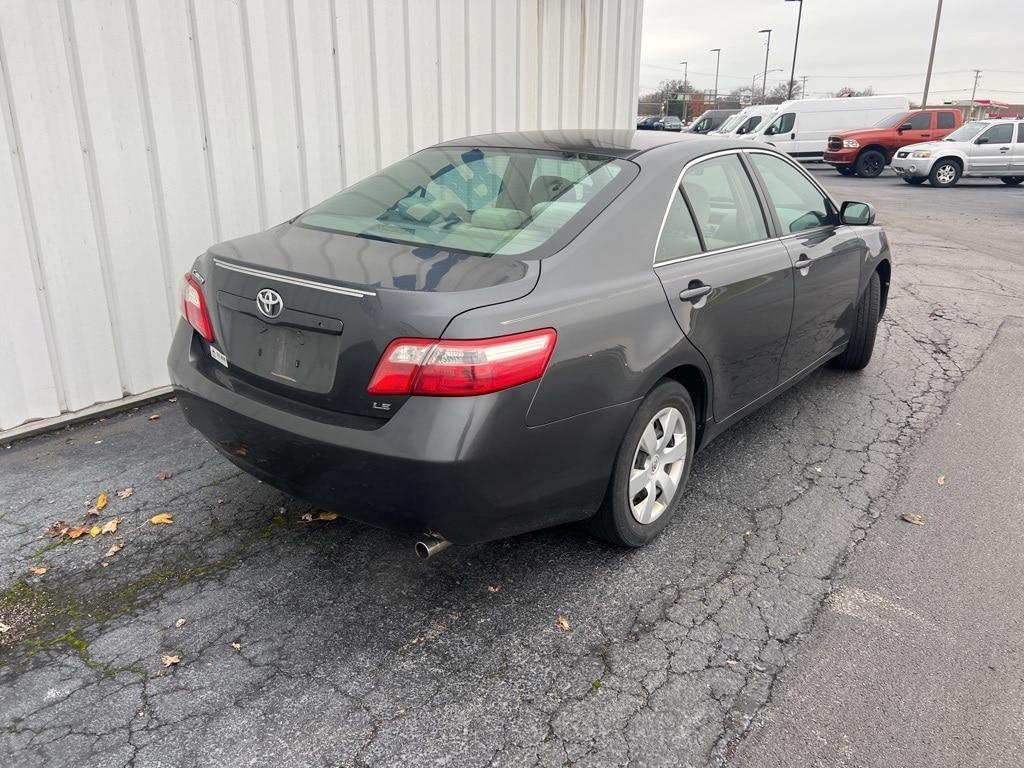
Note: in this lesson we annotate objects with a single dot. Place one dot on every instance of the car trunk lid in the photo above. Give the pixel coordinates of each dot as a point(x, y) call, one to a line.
point(306, 314)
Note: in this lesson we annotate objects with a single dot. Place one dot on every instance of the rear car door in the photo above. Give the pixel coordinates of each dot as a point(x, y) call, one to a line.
point(729, 283)
point(1017, 160)
point(990, 152)
point(826, 260)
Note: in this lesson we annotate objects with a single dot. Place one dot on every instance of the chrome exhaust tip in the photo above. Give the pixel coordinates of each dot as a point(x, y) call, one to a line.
point(430, 545)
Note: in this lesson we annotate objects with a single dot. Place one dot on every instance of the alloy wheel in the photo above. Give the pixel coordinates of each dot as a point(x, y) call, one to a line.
point(946, 173)
point(657, 466)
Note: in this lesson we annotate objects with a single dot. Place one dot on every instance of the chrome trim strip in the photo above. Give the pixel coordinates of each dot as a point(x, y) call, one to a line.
point(715, 252)
point(353, 292)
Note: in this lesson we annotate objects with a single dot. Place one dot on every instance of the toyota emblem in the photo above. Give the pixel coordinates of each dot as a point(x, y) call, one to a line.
point(269, 303)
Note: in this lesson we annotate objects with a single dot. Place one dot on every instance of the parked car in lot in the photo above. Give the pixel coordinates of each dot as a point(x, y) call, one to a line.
point(802, 127)
point(710, 120)
point(983, 148)
point(398, 353)
point(866, 151)
point(750, 119)
point(660, 123)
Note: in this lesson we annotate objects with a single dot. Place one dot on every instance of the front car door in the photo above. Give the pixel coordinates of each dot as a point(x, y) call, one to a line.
point(728, 281)
point(825, 257)
point(920, 128)
point(782, 131)
point(990, 152)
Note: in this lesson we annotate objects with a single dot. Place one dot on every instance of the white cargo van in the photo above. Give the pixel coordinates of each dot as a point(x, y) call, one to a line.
point(802, 127)
point(746, 121)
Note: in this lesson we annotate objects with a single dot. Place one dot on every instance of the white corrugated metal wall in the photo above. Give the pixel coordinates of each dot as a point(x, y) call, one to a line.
point(138, 132)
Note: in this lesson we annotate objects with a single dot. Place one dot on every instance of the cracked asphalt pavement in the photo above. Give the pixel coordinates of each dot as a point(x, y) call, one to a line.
point(328, 643)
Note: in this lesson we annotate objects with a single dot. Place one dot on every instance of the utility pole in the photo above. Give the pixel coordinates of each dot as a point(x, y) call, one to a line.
point(931, 55)
point(764, 83)
point(974, 91)
point(686, 96)
point(803, 87)
point(718, 60)
point(796, 42)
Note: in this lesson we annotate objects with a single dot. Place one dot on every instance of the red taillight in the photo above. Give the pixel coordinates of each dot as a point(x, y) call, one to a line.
point(193, 307)
point(473, 367)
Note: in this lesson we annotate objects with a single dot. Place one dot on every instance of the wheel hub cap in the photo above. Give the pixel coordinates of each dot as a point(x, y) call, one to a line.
point(657, 467)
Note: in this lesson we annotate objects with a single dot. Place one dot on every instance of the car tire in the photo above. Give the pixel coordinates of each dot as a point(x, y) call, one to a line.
point(845, 170)
point(865, 326)
point(617, 520)
point(870, 163)
point(915, 181)
point(1012, 181)
point(945, 173)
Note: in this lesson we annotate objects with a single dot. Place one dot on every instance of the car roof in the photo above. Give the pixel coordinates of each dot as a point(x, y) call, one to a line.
point(625, 143)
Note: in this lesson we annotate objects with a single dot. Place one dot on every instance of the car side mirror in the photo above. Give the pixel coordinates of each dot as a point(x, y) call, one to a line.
point(906, 127)
point(982, 140)
point(856, 214)
point(769, 131)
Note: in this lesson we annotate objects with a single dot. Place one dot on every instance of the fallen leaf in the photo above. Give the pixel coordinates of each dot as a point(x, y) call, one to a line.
point(563, 624)
point(494, 588)
point(170, 661)
point(77, 531)
point(307, 518)
point(124, 493)
point(237, 646)
point(164, 518)
point(242, 450)
point(327, 516)
point(164, 475)
point(104, 564)
point(731, 662)
point(910, 517)
point(95, 531)
point(111, 525)
point(4, 627)
point(154, 417)
point(116, 547)
point(58, 528)
point(101, 501)
point(38, 570)
point(93, 512)
point(941, 480)
point(180, 623)
point(172, 400)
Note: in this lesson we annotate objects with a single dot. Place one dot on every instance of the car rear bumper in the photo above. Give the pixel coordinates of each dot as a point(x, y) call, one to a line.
point(466, 468)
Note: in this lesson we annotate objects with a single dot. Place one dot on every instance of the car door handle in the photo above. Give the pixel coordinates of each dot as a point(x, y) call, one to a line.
point(697, 290)
point(803, 261)
point(1004, 149)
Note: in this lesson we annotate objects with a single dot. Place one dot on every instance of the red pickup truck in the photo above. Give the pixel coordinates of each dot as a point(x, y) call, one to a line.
point(866, 151)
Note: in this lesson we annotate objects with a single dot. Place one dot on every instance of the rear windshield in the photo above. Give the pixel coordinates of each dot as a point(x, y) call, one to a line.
point(486, 201)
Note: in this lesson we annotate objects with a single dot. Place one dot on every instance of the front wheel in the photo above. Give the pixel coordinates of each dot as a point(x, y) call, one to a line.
point(870, 164)
point(865, 325)
point(915, 181)
point(945, 173)
point(1012, 181)
point(651, 469)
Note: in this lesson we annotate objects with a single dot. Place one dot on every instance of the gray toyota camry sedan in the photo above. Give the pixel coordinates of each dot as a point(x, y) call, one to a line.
point(507, 332)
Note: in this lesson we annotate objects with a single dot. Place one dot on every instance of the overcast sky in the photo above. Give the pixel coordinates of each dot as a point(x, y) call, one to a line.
point(878, 43)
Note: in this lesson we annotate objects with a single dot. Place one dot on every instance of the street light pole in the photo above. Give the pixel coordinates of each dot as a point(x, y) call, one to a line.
point(718, 60)
point(796, 42)
point(974, 91)
point(767, 50)
point(931, 55)
point(686, 96)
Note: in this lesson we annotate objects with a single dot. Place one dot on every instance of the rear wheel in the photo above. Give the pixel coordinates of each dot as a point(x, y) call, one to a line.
point(651, 469)
point(845, 170)
point(870, 163)
point(915, 180)
point(945, 173)
point(862, 341)
point(1012, 181)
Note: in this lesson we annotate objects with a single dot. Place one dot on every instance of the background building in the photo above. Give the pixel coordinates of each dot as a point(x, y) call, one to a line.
point(138, 132)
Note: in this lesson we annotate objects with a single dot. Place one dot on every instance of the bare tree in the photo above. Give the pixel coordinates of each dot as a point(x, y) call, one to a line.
point(780, 92)
point(847, 90)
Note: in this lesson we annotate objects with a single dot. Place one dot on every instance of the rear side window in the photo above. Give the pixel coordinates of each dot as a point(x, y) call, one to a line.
point(797, 202)
point(922, 121)
point(999, 134)
point(487, 201)
point(1020, 133)
point(724, 203)
point(679, 235)
point(947, 120)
